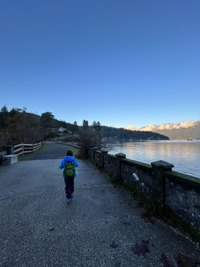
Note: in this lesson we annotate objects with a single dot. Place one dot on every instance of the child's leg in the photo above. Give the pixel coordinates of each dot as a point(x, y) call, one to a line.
point(67, 188)
point(71, 185)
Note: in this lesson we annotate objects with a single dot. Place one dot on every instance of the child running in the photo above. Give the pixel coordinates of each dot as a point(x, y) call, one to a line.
point(69, 164)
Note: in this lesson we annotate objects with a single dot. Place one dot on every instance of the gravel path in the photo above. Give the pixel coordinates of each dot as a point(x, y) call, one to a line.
point(103, 226)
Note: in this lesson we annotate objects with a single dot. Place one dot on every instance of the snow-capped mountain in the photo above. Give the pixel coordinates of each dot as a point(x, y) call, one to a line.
point(183, 130)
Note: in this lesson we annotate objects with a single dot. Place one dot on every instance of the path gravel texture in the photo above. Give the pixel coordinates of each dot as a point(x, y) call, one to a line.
point(103, 226)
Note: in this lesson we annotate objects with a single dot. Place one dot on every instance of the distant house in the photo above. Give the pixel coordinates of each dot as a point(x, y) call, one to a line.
point(64, 131)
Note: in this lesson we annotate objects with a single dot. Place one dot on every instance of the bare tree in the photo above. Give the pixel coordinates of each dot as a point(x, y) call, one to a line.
point(24, 127)
point(4, 137)
point(89, 136)
point(46, 122)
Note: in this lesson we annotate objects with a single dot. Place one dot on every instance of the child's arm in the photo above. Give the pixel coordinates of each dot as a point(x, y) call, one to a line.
point(62, 164)
point(76, 162)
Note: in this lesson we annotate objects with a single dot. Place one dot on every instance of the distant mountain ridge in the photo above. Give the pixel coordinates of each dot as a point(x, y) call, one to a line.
point(125, 134)
point(183, 130)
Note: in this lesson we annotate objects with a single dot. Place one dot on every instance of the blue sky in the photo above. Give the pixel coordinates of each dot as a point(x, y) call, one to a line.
point(120, 62)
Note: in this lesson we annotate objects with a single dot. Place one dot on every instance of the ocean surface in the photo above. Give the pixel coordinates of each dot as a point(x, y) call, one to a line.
point(184, 155)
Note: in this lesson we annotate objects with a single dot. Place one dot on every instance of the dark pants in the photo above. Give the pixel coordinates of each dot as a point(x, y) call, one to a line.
point(69, 186)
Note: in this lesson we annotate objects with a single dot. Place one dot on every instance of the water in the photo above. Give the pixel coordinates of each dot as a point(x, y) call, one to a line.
point(184, 155)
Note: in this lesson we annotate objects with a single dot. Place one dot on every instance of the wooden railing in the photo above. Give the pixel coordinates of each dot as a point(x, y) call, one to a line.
point(22, 149)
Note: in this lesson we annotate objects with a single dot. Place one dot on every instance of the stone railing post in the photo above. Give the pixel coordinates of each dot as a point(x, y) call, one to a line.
point(9, 149)
point(158, 170)
point(103, 153)
point(86, 151)
point(117, 171)
point(93, 153)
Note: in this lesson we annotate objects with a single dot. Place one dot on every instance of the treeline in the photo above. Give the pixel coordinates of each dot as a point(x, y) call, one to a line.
point(123, 134)
point(18, 125)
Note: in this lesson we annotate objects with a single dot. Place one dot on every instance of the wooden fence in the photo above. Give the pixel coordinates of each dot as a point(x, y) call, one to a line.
point(22, 149)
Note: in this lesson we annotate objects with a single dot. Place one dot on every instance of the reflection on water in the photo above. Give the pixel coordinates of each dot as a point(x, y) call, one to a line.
point(184, 155)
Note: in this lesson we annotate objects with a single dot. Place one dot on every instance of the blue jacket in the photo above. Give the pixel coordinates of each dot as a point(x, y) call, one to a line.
point(68, 159)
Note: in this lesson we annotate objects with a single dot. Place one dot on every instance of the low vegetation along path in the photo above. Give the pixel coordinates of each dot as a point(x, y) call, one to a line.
point(103, 226)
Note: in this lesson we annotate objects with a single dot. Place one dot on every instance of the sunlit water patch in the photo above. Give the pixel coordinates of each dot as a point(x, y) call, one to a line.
point(184, 155)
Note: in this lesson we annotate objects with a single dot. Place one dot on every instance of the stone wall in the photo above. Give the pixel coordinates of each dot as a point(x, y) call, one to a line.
point(169, 190)
point(183, 197)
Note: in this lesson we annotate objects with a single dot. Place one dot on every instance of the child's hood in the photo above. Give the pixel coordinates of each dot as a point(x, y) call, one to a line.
point(68, 158)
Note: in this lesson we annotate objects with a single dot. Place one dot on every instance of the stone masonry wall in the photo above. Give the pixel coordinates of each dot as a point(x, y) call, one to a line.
point(183, 197)
point(177, 192)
